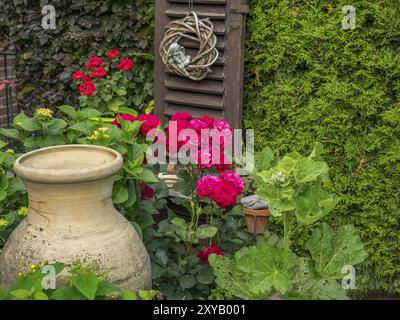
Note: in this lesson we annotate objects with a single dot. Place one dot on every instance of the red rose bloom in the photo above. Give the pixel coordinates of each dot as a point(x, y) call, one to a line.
point(234, 179)
point(113, 53)
point(94, 62)
point(78, 75)
point(148, 193)
point(149, 122)
point(126, 65)
point(205, 253)
point(87, 88)
point(224, 194)
point(201, 123)
point(98, 72)
point(181, 116)
point(86, 78)
point(206, 185)
point(123, 117)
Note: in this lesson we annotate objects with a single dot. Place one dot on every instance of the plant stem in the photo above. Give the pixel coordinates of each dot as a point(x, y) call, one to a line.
point(286, 226)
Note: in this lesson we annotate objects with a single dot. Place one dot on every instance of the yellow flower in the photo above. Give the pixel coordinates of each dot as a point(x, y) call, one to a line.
point(44, 113)
point(95, 135)
point(103, 129)
point(3, 223)
point(23, 211)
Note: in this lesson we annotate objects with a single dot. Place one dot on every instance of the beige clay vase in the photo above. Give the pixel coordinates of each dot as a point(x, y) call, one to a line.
point(71, 216)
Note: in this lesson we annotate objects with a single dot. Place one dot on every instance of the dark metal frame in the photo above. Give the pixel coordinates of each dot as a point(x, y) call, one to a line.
point(8, 91)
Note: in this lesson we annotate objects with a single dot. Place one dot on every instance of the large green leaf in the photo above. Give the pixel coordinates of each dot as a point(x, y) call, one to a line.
point(272, 266)
point(31, 124)
point(314, 204)
point(307, 170)
point(69, 110)
point(10, 133)
point(332, 250)
point(86, 284)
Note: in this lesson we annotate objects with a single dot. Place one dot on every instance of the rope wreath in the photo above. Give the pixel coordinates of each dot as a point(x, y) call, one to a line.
point(173, 54)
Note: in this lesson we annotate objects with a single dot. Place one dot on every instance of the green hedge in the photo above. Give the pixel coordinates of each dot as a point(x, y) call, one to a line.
point(309, 80)
point(46, 58)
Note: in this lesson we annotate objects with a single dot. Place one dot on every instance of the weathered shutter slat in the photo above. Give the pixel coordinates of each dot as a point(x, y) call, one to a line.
point(220, 94)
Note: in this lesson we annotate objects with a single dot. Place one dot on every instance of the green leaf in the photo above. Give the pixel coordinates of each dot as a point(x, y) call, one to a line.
point(314, 204)
point(81, 127)
point(40, 296)
point(307, 170)
point(2, 144)
point(21, 294)
point(125, 110)
point(89, 113)
point(128, 295)
point(147, 176)
point(56, 125)
point(67, 293)
point(106, 288)
point(86, 284)
point(187, 281)
point(147, 294)
point(205, 232)
point(332, 250)
point(181, 223)
point(69, 110)
point(273, 267)
point(31, 124)
point(21, 117)
point(120, 194)
point(10, 133)
point(205, 276)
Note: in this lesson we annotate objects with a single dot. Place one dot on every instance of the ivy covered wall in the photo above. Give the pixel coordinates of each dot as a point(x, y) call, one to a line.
point(309, 80)
point(46, 58)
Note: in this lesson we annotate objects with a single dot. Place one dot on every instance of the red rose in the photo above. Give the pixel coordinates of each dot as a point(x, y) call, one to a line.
point(148, 192)
point(234, 179)
point(126, 65)
point(113, 53)
point(123, 117)
point(224, 194)
point(201, 123)
point(205, 253)
point(94, 62)
point(149, 122)
point(181, 116)
point(87, 88)
point(78, 75)
point(98, 72)
point(206, 185)
point(86, 78)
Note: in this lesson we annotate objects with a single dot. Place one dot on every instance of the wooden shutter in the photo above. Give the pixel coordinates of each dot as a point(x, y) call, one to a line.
point(220, 94)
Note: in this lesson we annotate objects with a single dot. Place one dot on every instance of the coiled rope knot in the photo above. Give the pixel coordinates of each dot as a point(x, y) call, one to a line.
point(173, 54)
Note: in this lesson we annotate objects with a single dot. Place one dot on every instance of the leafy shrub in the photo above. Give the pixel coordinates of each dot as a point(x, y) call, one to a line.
point(84, 282)
point(296, 190)
point(309, 80)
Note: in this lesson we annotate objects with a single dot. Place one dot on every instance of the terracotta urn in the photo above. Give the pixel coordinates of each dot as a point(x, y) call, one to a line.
point(71, 216)
point(256, 219)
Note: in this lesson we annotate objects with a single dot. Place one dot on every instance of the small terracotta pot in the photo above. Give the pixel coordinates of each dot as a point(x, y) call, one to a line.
point(256, 219)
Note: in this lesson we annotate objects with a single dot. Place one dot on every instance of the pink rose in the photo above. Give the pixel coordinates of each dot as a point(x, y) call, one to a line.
point(181, 116)
point(224, 194)
point(234, 179)
point(149, 122)
point(206, 185)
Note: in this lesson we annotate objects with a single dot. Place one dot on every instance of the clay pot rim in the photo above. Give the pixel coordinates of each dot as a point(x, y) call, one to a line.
point(256, 212)
point(63, 176)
